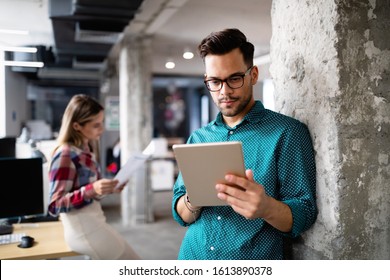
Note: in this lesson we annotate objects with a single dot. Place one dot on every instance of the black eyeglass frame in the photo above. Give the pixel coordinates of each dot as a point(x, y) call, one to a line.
point(226, 80)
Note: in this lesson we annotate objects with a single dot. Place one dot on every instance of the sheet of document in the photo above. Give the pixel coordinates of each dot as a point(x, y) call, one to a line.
point(133, 163)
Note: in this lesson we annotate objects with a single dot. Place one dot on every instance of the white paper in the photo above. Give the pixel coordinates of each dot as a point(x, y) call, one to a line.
point(133, 163)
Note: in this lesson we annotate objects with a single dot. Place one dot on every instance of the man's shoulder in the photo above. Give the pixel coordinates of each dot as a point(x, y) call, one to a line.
point(282, 120)
point(262, 115)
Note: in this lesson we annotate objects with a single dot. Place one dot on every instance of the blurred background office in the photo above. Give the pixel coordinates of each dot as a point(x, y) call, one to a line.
point(111, 50)
point(75, 46)
point(328, 61)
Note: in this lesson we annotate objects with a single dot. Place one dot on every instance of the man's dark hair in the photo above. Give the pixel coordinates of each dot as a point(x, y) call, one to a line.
point(222, 42)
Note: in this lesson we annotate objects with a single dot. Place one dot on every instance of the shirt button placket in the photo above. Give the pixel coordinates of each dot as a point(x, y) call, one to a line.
point(212, 248)
point(230, 133)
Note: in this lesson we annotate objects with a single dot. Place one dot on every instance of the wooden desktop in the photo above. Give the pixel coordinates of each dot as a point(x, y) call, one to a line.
point(49, 243)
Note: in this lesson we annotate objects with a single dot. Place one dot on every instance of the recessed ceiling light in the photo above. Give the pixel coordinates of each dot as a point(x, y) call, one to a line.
point(170, 64)
point(188, 54)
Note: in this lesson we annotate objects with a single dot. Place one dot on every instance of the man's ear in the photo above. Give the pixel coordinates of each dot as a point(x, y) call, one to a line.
point(255, 75)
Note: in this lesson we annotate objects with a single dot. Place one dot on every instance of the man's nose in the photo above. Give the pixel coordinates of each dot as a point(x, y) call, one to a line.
point(224, 88)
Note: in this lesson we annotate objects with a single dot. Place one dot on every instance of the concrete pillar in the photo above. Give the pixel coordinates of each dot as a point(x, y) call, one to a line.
point(135, 95)
point(330, 64)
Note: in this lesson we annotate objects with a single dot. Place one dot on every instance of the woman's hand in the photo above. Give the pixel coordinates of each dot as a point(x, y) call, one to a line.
point(120, 187)
point(104, 186)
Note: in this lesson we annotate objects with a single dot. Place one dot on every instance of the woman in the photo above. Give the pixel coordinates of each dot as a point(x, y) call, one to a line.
point(76, 185)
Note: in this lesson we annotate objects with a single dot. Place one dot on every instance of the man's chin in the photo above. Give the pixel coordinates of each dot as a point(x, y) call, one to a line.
point(228, 112)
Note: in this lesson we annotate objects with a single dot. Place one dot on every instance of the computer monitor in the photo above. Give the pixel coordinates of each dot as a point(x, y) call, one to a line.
point(7, 147)
point(23, 197)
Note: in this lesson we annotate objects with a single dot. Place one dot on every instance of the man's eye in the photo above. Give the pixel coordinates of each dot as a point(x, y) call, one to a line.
point(234, 79)
point(214, 82)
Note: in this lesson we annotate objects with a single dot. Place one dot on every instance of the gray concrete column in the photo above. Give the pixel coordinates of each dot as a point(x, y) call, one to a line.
point(135, 94)
point(330, 64)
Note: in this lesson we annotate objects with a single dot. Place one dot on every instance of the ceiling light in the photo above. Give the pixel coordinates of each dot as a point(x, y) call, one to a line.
point(188, 54)
point(170, 64)
point(23, 63)
point(19, 49)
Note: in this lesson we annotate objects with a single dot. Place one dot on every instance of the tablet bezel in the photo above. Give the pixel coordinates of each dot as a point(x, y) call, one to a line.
point(203, 165)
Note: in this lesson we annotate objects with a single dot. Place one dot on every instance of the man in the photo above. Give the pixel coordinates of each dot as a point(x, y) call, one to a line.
point(277, 197)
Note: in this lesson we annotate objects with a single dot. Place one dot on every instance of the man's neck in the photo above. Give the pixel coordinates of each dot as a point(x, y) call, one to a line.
point(235, 120)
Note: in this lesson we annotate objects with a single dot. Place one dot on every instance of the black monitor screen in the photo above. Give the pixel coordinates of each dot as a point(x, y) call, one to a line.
point(7, 147)
point(22, 196)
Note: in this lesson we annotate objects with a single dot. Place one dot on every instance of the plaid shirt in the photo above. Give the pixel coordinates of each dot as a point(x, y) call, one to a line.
point(72, 172)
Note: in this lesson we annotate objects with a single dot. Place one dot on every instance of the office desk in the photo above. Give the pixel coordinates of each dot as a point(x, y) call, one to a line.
point(49, 243)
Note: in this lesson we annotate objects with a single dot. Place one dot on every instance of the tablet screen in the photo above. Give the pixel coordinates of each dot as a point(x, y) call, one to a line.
point(204, 165)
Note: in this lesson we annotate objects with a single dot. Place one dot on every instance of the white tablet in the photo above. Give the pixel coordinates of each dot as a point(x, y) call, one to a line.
point(204, 165)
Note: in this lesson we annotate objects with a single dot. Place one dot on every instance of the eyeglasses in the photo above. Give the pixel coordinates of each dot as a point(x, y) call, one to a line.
point(234, 82)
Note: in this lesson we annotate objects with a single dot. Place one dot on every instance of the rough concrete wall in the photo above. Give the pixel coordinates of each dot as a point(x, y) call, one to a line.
point(136, 131)
point(136, 90)
point(330, 66)
point(364, 124)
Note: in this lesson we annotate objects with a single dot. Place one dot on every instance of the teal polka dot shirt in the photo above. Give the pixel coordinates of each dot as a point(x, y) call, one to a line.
point(279, 150)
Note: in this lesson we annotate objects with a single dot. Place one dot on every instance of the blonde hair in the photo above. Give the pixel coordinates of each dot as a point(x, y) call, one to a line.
point(80, 109)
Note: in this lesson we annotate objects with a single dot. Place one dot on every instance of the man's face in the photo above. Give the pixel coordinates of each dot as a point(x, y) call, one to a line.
point(233, 103)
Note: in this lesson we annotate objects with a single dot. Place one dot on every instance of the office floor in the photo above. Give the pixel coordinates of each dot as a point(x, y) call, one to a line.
point(159, 240)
